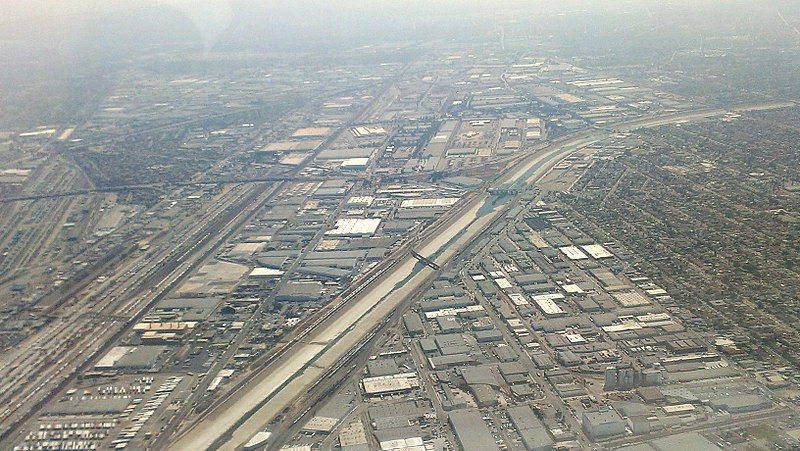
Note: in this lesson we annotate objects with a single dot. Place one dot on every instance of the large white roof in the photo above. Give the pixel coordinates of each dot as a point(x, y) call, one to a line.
point(597, 251)
point(355, 227)
point(434, 202)
point(573, 253)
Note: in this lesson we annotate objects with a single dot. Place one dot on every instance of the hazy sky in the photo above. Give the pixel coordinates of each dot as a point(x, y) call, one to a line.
point(23, 8)
point(81, 23)
point(32, 20)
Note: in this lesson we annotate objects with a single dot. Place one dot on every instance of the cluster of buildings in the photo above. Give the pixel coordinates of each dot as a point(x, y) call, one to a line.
point(545, 332)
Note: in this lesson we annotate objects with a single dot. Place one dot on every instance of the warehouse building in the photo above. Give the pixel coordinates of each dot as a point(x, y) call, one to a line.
point(471, 432)
point(534, 434)
point(302, 291)
point(604, 423)
point(413, 324)
point(385, 385)
point(355, 227)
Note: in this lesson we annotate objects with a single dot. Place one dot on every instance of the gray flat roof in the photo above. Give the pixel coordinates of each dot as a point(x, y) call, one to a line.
point(534, 434)
point(471, 431)
point(687, 440)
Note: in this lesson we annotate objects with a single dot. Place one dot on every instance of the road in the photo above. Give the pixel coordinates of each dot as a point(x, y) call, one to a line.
point(95, 315)
point(116, 305)
point(251, 408)
point(327, 342)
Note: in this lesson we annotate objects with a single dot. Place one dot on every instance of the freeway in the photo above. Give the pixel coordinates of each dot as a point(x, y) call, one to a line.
point(304, 361)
